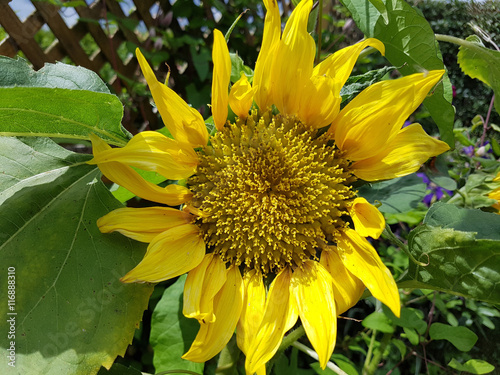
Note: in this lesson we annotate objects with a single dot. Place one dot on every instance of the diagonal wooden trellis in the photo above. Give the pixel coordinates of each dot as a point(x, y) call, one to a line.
point(92, 21)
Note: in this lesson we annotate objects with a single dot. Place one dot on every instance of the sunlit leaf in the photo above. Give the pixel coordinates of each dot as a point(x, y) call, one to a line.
point(472, 366)
point(379, 321)
point(59, 101)
point(74, 314)
point(482, 63)
point(410, 45)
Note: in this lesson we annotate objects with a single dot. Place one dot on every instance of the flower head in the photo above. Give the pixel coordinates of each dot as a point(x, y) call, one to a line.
point(269, 199)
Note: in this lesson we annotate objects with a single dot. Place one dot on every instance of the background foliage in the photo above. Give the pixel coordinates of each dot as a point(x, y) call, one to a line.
point(446, 257)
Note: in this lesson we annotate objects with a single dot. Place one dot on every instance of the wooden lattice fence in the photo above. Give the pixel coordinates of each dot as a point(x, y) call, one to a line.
point(92, 21)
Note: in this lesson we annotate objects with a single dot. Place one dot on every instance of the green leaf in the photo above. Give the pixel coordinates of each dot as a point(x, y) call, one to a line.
point(457, 263)
point(398, 195)
point(411, 335)
point(472, 366)
point(19, 73)
point(355, 84)
point(74, 314)
point(485, 225)
point(462, 338)
point(401, 347)
point(62, 113)
point(482, 63)
point(172, 333)
point(410, 318)
point(378, 321)
point(238, 67)
point(410, 44)
point(201, 60)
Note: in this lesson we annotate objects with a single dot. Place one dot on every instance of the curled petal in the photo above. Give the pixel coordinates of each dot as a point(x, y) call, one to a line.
point(241, 97)
point(270, 39)
point(183, 121)
point(293, 61)
point(152, 151)
point(403, 155)
point(142, 224)
point(202, 284)
point(279, 316)
point(213, 337)
point(313, 292)
point(367, 219)
point(361, 259)
point(374, 117)
point(220, 80)
point(123, 175)
point(347, 288)
point(340, 64)
point(170, 254)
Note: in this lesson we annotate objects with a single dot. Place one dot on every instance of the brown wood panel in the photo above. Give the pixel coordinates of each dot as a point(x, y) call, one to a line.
point(75, 52)
point(22, 34)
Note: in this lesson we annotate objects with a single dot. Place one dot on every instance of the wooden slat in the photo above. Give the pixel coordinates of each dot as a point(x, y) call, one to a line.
point(22, 34)
point(143, 7)
point(62, 32)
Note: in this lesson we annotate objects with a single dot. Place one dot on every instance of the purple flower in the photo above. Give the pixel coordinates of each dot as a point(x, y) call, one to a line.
point(436, 192)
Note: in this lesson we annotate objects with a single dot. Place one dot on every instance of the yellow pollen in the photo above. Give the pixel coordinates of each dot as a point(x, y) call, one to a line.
point(271, 192)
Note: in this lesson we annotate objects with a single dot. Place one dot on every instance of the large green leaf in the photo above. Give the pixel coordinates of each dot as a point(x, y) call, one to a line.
point(62, 113)
point(73, 314)
point(172, 333)
point(60, 101)
point(482, 63)
point(19, 73)
point(461, 252)
point(410, 45)
point(398, 195)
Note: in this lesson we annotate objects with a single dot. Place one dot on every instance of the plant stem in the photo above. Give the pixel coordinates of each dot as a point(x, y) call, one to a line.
point(377, 356)
point(287, 341)
point(396, 241)
point(332, 366)
point(369, 354)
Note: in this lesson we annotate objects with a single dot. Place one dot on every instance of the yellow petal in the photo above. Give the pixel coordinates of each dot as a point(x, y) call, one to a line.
point(183, 121)
point(220, 79)
point(347, 288)
point(241, 97)
point(375, 116)
point(403, 155)
point(312, 289)
point(170, 254)
point(152, 151)
point(340, 64)
point(253, 310)
point(293, 61)
point(172, 195)
point(367, 219)
point(280, 314)
point(270, 39)
point(213, 337)
point(361, 259)
point(319, 102)
point(202, 284)
point(142, 224)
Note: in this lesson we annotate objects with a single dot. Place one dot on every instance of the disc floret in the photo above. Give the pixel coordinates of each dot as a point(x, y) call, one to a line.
point(271, 193)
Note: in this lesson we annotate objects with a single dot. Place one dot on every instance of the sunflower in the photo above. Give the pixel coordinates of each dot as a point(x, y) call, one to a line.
point(270, 227)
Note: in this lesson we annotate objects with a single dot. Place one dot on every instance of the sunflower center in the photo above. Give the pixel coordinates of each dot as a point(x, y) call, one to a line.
point(271, 193)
